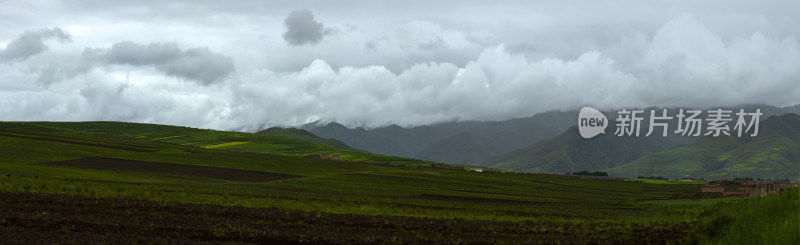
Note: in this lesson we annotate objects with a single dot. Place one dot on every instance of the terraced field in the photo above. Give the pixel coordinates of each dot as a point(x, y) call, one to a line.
point(59, 182)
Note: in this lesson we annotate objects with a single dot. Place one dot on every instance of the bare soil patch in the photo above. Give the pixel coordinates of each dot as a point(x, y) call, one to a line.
point(28, 218)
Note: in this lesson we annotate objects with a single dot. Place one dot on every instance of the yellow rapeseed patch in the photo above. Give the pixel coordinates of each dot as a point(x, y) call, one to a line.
point(225, 144)
point(168, 137)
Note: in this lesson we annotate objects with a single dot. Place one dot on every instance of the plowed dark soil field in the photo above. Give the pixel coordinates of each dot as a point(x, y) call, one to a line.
point(28, 218)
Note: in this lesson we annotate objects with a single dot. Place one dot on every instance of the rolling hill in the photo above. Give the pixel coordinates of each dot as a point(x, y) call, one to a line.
point(774, 153)
point(219, 140)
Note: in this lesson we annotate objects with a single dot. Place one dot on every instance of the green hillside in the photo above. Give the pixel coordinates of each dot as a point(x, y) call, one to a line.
point(569, 152)
point(304, 136)
point(80, 182)
point(462, 148)
point(774, 153)
point(221, 140)
point(99, 165)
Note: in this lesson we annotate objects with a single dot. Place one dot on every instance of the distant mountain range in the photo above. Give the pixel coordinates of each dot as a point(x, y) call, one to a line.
point(569, 152)
point(545, 142)
point(774, 153)
point(468, 142)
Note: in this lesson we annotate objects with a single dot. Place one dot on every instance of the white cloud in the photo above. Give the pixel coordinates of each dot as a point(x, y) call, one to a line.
point(683, 64)
point(409, 68)
point(31, 43)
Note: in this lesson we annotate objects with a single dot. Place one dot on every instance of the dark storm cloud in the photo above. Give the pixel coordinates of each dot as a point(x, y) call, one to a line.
point(198, 64)
point(31, 43)
point(130, 53)
point(301, 28)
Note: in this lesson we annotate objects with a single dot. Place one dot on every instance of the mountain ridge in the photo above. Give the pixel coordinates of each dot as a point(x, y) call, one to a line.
point(436, 142)
point(774, 153)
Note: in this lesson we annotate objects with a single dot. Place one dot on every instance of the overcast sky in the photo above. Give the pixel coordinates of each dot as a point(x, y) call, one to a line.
point(242, 64)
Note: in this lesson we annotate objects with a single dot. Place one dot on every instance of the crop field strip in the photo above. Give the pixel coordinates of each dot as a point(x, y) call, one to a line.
point(332, 203)
point(115, 164)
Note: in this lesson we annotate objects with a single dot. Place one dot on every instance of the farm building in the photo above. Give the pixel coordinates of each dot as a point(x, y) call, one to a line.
point(688, 178)
point(737, 188)
point(479, 170)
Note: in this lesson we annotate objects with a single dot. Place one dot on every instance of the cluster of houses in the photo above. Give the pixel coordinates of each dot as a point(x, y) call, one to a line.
point(741, 188)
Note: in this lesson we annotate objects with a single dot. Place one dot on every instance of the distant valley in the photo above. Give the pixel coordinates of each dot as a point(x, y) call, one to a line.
point(546, 142)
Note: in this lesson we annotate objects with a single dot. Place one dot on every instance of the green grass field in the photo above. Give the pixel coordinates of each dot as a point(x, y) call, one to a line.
point(132, 161)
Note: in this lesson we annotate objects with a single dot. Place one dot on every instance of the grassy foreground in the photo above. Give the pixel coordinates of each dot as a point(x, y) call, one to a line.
point(765, 220)
point(60, 183)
